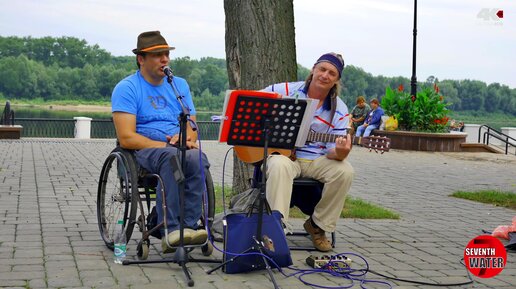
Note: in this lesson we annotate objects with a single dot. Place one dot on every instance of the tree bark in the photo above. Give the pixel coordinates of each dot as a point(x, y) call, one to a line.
point(260, 50)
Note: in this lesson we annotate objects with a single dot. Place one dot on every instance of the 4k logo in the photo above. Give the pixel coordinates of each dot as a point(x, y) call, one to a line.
point(490, 14)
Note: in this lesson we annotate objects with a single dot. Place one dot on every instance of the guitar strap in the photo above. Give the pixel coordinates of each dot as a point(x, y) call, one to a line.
point(330, 121)
point(333, 99)
point(332, 111)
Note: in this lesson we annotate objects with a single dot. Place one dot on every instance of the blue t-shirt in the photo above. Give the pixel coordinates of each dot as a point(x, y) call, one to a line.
point(156, 107)
point(320, 122)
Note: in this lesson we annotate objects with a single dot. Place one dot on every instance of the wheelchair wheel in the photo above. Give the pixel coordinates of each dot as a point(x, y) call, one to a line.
point(210, 202)
point(142, 250)
point(207, 249)
point(116, 195)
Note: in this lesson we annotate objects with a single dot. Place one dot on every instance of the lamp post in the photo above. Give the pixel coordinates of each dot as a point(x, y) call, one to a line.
point(413, 79)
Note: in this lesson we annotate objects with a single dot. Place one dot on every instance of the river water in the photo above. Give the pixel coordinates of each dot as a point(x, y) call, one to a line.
point(34, 112)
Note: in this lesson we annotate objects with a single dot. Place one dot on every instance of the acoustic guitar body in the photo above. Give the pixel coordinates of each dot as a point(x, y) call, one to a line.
point(255, 154)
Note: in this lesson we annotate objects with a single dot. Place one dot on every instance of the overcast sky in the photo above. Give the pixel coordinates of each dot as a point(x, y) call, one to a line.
point(459, 39)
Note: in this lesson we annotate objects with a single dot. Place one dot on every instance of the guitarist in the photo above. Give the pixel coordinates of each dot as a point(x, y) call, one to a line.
point(325, 162)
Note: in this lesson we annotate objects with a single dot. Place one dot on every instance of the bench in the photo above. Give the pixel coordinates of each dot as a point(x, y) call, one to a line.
point(10, 131)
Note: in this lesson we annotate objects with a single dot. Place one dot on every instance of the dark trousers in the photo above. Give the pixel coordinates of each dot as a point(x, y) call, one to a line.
point(158, 161)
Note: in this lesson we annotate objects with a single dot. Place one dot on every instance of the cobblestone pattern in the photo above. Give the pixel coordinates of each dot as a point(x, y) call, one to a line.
point(49, 234)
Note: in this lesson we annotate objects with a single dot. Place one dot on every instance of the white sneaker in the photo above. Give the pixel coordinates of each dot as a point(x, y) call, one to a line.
point(174, 240)
point(199, 236)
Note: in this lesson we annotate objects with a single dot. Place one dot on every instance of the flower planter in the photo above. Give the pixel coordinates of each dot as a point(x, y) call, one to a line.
point(424, 141)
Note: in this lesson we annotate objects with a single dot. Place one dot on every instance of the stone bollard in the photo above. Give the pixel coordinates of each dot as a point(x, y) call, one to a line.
point(510, 131)
point(472, 131)
point(82, 127)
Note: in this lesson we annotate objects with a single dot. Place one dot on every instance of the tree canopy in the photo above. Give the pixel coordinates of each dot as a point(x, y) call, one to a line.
point(66, 68)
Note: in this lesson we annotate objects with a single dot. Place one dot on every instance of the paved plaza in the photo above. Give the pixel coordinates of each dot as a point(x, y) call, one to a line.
point(49, 236)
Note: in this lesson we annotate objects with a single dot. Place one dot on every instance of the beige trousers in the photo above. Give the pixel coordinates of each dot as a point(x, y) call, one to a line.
point(337, 177)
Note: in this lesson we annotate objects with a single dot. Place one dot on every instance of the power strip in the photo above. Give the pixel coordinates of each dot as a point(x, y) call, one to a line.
point(338, 261)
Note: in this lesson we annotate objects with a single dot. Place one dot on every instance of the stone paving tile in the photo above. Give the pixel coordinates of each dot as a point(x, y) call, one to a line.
point(14, 284)
point(24, 275)
point(47, 208)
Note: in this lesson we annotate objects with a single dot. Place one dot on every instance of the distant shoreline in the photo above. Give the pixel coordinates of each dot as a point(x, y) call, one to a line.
point(61, 107)
point(81, 107)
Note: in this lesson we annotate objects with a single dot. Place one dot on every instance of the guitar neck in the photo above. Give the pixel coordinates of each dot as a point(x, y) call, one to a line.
point(255, 154)
point(322, 137)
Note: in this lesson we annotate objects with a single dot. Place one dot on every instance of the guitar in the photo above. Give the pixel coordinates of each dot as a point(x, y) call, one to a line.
point(253, 155)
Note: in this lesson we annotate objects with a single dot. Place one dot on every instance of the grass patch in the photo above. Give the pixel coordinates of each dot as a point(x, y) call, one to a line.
point(360, 209)
point(497, 198)
point(353, 208)
point(218, 197)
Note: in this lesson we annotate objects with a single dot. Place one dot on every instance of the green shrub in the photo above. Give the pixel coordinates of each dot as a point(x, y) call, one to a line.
point(426, 111)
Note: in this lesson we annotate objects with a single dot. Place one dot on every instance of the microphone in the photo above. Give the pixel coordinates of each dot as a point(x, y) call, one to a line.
point(168, 72)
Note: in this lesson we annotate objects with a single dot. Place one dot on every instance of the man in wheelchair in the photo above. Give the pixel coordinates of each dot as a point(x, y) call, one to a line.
point(146, 117)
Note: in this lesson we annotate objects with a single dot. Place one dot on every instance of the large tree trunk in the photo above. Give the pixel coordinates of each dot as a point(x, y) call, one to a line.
point(260, 50)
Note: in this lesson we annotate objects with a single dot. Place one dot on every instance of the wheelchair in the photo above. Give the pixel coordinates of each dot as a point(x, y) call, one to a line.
point(126, 191)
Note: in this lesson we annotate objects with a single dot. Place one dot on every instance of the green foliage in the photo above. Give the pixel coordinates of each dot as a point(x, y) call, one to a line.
point(497, 198)
point(302, 72)
point(67, 68)
point(63, 51)
point(57, 69)
point(427, 111)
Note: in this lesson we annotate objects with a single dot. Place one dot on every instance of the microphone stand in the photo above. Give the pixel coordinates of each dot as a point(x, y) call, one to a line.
point(181, 255)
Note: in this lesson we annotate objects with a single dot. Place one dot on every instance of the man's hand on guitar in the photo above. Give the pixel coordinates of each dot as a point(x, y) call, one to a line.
point(342, 148)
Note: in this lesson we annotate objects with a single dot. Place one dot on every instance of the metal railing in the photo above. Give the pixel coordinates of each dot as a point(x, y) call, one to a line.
point(100, 128)
point(47, 127)
point(491, 132)
point(208, 130)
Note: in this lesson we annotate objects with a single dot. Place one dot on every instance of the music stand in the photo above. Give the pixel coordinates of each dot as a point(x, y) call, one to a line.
point(261, 119)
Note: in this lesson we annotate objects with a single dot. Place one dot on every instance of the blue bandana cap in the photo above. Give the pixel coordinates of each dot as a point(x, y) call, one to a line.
point(334, 59)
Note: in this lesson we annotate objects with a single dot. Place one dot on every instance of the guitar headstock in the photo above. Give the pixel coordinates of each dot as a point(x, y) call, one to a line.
point(376, 143)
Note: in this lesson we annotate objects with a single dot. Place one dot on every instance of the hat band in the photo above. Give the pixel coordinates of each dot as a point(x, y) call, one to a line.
point(155, 47)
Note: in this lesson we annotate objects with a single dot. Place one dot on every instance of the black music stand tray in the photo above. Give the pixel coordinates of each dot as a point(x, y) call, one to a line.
point(261, 119)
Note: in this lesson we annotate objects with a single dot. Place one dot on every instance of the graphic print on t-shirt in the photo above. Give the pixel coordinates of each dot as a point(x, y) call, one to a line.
point(158, 102)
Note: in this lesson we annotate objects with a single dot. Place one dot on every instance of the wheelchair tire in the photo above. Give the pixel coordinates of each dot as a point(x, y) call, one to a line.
point(207, 249)
point(117, 194)
point(211, 200)
point(142, 250)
